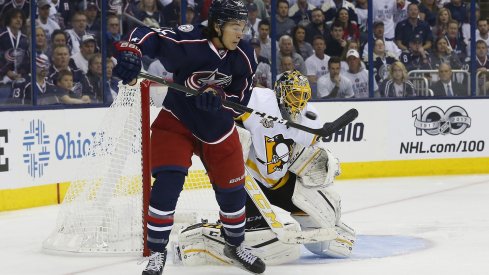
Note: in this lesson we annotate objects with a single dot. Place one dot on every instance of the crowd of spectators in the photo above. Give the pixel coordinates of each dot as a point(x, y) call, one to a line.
point(417, 45)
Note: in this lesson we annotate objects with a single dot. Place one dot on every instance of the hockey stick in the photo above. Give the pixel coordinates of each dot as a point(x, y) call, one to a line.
point(276, 225)
point(328, 128)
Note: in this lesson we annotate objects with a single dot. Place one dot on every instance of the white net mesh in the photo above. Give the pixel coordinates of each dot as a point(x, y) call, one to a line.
point(102, 210)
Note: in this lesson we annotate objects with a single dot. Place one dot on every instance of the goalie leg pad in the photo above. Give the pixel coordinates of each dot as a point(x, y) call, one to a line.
point(341, 247)
point(203, 244)
point(245, 139)
point(322, 204)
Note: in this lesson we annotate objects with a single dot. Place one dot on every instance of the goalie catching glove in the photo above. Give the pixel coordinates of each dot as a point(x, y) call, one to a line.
point(315, 165)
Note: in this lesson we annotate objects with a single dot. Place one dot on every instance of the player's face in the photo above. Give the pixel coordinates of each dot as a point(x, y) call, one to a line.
point(232, 32)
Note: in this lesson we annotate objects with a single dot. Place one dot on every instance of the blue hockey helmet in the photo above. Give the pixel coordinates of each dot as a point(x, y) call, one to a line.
point(222, 11)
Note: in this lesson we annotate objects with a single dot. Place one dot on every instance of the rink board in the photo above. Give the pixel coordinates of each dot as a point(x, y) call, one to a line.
point(39, 150)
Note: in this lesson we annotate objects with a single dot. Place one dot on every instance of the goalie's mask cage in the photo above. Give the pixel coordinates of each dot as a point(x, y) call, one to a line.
point(293, 92)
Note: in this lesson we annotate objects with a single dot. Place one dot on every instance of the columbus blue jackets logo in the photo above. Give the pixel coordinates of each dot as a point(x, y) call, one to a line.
point(199, 79)
point(278, 151)
point(186, 28)
point(434, 121)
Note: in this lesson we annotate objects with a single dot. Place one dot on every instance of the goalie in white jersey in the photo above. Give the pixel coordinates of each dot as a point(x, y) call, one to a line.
point(294, 171)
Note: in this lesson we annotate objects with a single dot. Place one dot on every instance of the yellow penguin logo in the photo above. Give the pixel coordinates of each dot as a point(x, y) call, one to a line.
point(278, 152)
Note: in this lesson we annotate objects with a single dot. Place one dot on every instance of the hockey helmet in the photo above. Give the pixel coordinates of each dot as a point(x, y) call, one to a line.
point(222, 11)
point(293, 92)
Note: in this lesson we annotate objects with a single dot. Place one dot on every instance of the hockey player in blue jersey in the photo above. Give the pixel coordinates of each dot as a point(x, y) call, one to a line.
point(213, 60)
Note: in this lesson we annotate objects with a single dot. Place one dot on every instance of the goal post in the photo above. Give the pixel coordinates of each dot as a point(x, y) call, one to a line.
point(104, 210)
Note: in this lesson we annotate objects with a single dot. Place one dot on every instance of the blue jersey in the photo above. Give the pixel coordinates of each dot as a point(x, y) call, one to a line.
point(195, 62)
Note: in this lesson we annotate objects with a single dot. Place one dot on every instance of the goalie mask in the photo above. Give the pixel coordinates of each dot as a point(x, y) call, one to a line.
point(293, 92)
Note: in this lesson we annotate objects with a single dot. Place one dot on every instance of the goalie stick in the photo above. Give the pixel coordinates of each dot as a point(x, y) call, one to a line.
point(276, 225)
point(325, 131)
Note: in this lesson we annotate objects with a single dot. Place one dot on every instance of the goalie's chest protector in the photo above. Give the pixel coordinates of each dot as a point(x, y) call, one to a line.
point(273, 142)
point(195, 62)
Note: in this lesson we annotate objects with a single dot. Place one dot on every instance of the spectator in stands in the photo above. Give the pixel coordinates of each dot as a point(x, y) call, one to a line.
point(47, 93)
point(113, 82)
point(65, 10)
point(61, 61)
point(397, 83)
point(361, 9)
point(58, 38)
point(455, 40)
point(417, 58)
point(350, 28)
point(357, 75)
point(147, 11)
point(286, 64)
point(482, 67)
point(383, 11)
point(382, 61)
point(113, 33)
point(334, 84)
point(93, 19)
point(41, 41)
point(301, 46)
point(428, 9)
point(87, 49)
point(442, 53)
point(22, 5)
point(65, 84)
point(264, 37)
point(300, 12)
point(331, 7)
point(407, 29)
point(43, 20)
point(317, 64)
point(440, 29)
point(390, 46)
point(284, 23)
point(14, 48)
point(190, 13)
point(253, 19)
point(458, 10)
point(317, 26)
point(286, 48)
point(447, 87)
point(350, 45)
point(79, 23)
point(262, 11)
point(335, 43)
point(94, 76)
point(482, 32)
point(263, 74)
point(401, 11)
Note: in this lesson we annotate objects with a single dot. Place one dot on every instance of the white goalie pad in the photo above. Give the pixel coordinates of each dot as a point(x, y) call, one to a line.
point(245, 139)
point(315, 165)
point(341, 247)
point(322, 204)
point(202, 244)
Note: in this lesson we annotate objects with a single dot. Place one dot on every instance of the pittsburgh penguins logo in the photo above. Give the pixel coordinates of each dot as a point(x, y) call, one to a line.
point(278, 152)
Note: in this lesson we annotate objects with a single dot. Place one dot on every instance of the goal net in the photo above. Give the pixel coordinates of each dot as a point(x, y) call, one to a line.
point(104, 210)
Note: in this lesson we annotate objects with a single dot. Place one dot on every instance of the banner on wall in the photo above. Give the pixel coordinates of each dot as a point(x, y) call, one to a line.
point(413, 129)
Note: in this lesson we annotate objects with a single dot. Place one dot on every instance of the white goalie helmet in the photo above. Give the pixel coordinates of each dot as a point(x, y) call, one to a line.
point(293, 92)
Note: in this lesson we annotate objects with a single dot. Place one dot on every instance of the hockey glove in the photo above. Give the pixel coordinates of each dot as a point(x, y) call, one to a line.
point(128, 58)
point(210, 98)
